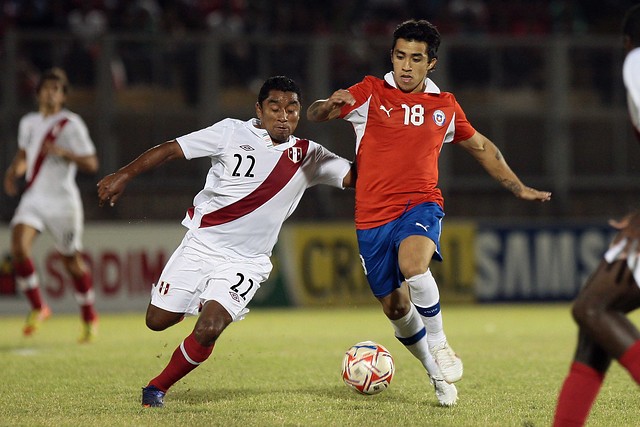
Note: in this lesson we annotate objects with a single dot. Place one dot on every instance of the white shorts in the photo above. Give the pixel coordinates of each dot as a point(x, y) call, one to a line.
point(617, 252)
point(63, 221)
point(194, 275)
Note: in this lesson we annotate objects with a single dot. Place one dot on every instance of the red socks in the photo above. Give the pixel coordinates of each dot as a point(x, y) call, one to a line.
point(85, 297)
point(185, 359)
point(27, 281)
point(579, 391)
point(631, 361)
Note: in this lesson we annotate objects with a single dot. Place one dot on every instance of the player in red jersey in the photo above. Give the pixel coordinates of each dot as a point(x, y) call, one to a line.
point(53, 143)
point(401, 123)
point(600, 310)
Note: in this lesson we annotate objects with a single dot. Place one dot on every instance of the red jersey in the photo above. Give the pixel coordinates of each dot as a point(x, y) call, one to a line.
point(398, 141)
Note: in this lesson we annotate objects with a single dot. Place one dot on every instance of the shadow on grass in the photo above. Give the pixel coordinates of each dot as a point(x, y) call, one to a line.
point(198, 396)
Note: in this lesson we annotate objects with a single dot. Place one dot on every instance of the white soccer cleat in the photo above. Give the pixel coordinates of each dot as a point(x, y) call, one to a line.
point(448, 361)
point(446, 393)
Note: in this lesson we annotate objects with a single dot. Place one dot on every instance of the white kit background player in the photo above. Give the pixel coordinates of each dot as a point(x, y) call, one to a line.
point(53, 143)
point(259, 171)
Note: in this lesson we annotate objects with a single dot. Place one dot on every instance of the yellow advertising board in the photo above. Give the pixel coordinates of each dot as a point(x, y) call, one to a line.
point(321, 264)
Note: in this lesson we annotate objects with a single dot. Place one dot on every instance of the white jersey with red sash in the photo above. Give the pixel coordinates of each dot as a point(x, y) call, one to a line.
point(51, 177)
point(252, 186)
point(51, 199)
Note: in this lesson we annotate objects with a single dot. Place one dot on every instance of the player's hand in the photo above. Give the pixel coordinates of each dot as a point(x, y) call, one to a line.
point(529, 193)
point(110, 187)
point(339, 98)
point(629, 227)
point(54, 150)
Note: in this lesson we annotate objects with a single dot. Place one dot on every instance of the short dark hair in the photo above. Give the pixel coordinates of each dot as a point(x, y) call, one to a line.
point(631, 25)
point(421, 31)
point(54, 74)
point(283, 83)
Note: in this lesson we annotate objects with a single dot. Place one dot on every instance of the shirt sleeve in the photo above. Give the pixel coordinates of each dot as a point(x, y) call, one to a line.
point(631, 77)
point(77, 139)
point(23, 133)
point(463, 129)
point(361, 92)
point(331, 168)
point(207, 142)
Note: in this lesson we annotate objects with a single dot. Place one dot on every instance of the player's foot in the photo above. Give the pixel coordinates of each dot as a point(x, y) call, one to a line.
point(448, 361)
point(446, 393)
point(89, 332)
point(34, 319)
point(152, 397)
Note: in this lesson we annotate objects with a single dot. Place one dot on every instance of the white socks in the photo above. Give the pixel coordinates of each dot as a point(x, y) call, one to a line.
point(411, 332)
point(426, 298)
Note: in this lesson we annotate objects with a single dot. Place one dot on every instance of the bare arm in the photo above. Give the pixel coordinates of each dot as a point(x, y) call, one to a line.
point(17, 169)
point(491, 159)
point(111, 186)
point(327, 109)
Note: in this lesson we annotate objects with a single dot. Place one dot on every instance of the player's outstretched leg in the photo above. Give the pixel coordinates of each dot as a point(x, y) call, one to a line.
point(426, 298)
point(411, 333)
point(188, 356)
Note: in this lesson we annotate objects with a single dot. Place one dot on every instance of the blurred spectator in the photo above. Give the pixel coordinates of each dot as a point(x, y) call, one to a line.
point(88, 23)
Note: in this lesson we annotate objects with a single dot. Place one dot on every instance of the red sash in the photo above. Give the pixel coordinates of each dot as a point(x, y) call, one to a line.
point(49, 138)
point(290, 161)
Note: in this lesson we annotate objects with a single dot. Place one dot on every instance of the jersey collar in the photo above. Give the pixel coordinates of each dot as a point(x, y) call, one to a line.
point(429, 87)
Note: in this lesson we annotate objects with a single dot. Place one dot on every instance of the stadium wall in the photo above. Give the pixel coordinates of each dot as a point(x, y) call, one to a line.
point(317, 264)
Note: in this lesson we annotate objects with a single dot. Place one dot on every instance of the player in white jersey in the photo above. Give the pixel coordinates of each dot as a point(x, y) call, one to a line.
point(53, 143)
point(259, 171)
point(601, 308)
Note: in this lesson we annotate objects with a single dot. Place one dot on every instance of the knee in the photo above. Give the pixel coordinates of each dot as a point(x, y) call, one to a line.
point(207, 331)
point(412, 269)
point(584, 311)
point(154, 324)
point(74, 265)
point(396, 310)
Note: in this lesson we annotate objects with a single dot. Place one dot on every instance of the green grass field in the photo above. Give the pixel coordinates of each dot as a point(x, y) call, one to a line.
point(282, 367)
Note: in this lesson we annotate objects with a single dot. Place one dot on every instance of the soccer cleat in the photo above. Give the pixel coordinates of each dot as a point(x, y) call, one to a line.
point(34, 319)
point(448, 361)
point(89, 332)
point(152, 397)
point(446, 393)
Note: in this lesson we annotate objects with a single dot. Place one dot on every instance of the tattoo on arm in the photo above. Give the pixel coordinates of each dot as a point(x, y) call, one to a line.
point(514, 187)
point(498, 155)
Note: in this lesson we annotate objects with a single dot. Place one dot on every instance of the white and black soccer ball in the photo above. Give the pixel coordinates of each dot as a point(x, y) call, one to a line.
point(367, 367)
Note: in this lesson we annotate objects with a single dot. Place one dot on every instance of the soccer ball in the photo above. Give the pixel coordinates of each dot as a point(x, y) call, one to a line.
point(368, 368)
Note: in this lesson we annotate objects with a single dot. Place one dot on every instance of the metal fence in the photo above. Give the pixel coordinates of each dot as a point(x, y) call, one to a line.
point(554, 105)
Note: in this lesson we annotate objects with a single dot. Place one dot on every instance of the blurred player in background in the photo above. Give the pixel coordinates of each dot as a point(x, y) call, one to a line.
point(600, 309)
point(401, 123)
point(259, 171)
point(53, 143)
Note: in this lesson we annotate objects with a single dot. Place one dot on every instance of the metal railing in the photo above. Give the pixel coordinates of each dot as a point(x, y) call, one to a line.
point(554, 105)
